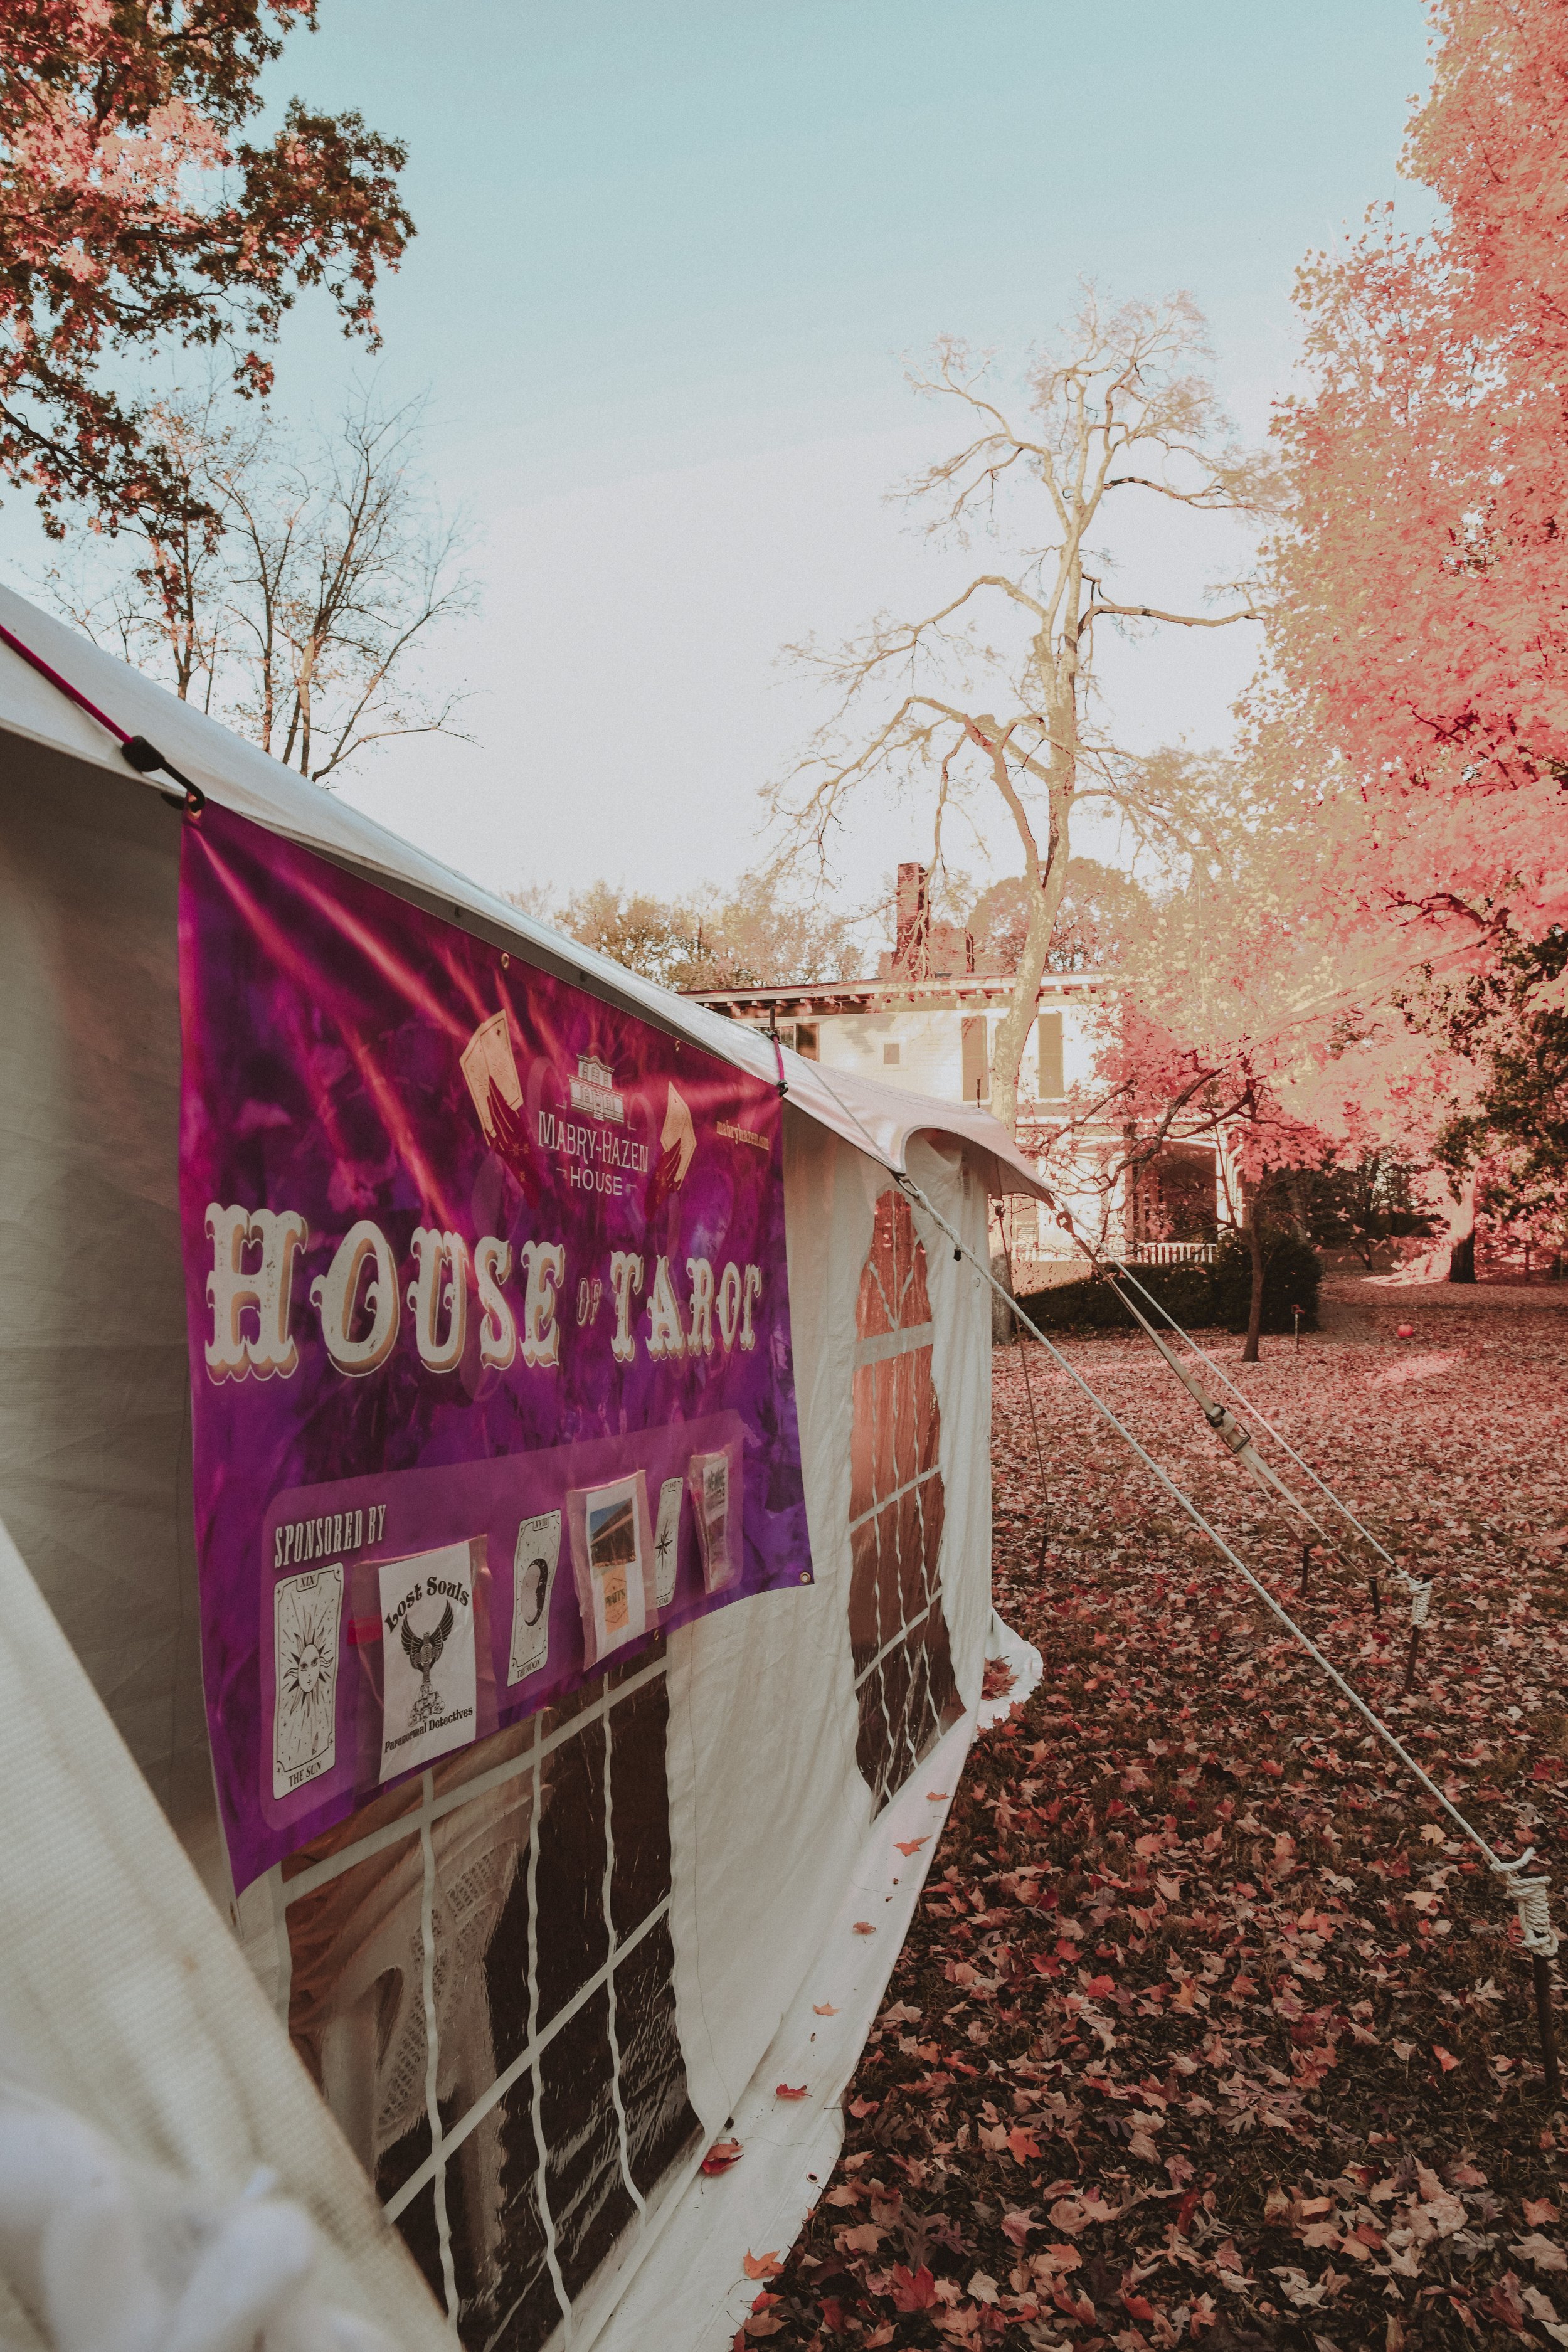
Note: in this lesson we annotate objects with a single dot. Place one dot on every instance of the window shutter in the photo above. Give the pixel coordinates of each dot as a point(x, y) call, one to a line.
point(1048, 1033)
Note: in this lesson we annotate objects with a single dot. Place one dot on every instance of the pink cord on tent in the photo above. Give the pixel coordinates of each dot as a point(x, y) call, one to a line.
point(135, 749)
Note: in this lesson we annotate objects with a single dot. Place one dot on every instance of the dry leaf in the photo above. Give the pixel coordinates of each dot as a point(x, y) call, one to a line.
point(1546, 2253)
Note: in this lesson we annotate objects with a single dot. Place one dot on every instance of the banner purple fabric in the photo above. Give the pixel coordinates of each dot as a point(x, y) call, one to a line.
point(489, 1333)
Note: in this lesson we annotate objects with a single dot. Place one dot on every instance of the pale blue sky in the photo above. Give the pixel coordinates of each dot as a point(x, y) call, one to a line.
point(682, 229)
point(670, 255)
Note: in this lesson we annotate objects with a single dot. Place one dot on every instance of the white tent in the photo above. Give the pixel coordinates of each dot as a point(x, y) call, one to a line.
point(534, 1996)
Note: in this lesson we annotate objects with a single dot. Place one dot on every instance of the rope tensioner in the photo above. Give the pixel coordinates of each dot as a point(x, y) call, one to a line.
point(1533, 1899)
point(1539, 1937)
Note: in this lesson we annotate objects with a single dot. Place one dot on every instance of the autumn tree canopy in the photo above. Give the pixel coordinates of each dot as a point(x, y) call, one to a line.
point(135, 218)
point(1420, 608)
point(751, 936)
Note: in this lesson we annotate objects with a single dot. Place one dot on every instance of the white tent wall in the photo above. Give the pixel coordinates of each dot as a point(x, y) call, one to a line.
point(125, 2000)
point(94, 1373)
point(695, 1835)
point(769, 1808)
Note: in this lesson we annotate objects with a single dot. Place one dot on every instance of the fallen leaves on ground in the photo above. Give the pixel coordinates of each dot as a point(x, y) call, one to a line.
point(1208, 2029)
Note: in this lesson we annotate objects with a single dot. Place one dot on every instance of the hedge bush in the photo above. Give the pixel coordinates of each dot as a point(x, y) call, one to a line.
point(1199, 1298)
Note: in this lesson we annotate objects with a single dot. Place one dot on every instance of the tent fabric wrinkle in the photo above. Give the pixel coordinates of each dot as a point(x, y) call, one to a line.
point(125, 2000)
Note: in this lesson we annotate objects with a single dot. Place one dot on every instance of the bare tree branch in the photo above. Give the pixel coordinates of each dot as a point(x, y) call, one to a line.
point(1125, 404)
point(298, 608)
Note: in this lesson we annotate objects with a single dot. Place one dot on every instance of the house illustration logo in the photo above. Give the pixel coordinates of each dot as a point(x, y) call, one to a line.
point(593, 1091)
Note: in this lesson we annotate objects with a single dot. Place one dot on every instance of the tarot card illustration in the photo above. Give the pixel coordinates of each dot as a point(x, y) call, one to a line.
point(491, 1069)
point(427, 1657)
point(708, 1474)
point(667, 1543)
point(306, 1614)
point(610, 1538)
point(537, 1558)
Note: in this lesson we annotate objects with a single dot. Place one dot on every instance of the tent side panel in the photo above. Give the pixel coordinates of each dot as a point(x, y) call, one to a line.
point(960, 1367)
point(771, 1801)
point(94, 1386)
point(768, 1812)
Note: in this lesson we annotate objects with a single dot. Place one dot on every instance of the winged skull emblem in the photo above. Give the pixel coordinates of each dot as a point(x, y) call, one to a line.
point(424, 1649)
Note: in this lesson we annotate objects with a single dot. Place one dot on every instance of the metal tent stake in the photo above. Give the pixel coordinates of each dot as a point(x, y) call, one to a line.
point(1376, 1596)
point(1539, 1937)
point(1420, 1603)
point(1540, 1968)
point(1305, 1564)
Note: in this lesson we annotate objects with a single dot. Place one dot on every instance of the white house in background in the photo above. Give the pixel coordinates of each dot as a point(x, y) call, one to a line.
point(928, 1022)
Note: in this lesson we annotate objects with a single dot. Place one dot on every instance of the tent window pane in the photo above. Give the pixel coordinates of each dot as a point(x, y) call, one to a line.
point(976, 1060)
point(552, 1973)
point(898, 1633)
point(1048, 1038)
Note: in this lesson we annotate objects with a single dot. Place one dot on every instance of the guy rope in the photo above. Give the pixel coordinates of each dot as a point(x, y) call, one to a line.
point(1531, 1896)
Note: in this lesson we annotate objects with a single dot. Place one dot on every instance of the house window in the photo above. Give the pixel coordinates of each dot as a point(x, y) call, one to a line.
point(903, 1671)
point(1048, 1037)
point(976, 1060)
point(890, 1056)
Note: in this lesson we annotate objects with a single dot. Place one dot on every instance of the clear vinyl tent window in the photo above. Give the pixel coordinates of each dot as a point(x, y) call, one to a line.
point(481, 1982)
point(903, 1670)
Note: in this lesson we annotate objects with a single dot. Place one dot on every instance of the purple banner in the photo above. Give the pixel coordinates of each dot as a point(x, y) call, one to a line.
point(489, 1333)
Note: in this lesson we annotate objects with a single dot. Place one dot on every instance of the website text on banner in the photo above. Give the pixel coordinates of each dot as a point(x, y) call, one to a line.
point(489, 1333)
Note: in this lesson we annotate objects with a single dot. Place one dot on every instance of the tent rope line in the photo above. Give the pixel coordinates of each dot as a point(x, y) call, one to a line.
point(1419, 1590)
point(1237, 1439)
point(1529, 1896)
point(134, 750)
point(1231, 1431)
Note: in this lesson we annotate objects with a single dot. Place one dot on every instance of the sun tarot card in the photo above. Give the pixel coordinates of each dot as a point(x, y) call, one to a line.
point(307, 1611)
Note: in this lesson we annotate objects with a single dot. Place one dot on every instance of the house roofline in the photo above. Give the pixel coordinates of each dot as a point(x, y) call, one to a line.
point(823, 996)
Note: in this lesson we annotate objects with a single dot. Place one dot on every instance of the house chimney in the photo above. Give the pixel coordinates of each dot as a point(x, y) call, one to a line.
point(912, 923)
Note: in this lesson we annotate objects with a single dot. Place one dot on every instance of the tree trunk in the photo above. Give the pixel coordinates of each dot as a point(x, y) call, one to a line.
point(1047, 887)
point(1251, 1228)
point(1462, 1258)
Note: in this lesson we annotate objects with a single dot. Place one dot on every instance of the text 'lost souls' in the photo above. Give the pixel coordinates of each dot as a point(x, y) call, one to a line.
point(361, 1302)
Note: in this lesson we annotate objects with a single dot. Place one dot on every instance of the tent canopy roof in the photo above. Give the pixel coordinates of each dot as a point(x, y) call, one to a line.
point(879, 1120)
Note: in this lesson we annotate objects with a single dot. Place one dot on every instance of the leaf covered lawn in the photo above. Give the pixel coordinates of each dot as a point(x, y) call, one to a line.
point(1208, 2030)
